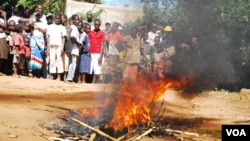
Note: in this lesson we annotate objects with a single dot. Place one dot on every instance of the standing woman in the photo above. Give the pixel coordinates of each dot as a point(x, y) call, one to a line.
point(37, 44)
point(4, 51)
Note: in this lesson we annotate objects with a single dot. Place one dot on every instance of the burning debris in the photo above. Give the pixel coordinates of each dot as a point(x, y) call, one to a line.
point(124, 115)
point(76, 130)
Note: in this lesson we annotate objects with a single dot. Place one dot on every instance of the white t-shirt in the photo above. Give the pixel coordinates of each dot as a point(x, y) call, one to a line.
point(41, 25)
point(75, 33)
point(43, 19)
point(151, 37)
point(14, 18)
point(55, 33)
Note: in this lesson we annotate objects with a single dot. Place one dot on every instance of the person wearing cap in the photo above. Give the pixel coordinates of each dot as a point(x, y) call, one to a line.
point(168, 51)
point(49, 18)
point(166, 36)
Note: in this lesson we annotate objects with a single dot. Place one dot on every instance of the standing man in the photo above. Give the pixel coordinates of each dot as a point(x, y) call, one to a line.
point(132, 58)
point(75, 36)
point(97, 40)
point(90, 19)
point(56, 37)
point(39, 9)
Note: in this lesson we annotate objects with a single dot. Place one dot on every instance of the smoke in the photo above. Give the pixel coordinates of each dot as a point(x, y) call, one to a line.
point(207, 62)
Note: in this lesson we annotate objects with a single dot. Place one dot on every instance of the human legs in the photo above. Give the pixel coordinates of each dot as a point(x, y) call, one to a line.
point(66, 57)
point(95, 67)
point(59, 63)
point(72, 68)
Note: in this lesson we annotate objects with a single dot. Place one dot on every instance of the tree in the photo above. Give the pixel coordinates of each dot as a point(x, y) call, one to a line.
point(222, 28)
point(52, 6)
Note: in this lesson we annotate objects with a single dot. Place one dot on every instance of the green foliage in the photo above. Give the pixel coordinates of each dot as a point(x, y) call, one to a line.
point(30, 3)
point(51, 6)
point(4, 3)
point(222, 28)
point(159, 14)
point(54, 6)
point(95, 15)
point(234, 17)
point(92, 1)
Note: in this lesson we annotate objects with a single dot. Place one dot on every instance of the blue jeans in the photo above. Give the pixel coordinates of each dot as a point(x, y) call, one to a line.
point(72, 67)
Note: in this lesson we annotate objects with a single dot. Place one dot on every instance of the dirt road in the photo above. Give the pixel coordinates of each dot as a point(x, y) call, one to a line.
point(25, 107)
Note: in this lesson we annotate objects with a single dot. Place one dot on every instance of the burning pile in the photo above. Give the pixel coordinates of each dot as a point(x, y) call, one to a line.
point(126, 110)
point(131, 104)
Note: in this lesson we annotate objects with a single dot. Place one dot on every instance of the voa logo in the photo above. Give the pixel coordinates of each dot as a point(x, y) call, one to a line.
point(236, 132)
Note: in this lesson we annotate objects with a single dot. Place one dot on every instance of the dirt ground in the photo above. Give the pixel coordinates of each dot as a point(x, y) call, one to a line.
point(26, 104)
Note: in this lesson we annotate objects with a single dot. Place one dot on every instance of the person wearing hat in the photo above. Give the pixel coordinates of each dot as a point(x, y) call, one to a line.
point(166, 36)
point(49, 18)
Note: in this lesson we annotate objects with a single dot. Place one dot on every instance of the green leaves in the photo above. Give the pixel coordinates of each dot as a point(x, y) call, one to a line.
point(51, 6)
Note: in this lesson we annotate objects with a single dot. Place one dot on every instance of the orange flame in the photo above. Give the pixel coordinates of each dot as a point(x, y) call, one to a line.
point(133, 100)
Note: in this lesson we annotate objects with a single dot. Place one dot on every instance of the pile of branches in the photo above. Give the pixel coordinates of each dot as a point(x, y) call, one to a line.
point(74, 129)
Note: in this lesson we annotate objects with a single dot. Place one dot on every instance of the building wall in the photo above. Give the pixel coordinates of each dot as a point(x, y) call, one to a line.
point(111, 13)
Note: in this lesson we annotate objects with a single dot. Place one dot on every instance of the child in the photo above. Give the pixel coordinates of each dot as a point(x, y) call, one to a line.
point(10, 33)
point(27, 55)
point(18, 51)
point(85, 58)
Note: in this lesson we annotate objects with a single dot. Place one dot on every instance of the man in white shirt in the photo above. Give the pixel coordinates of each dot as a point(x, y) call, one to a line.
point(15, 17)
point(55, 40)
point(75, 36)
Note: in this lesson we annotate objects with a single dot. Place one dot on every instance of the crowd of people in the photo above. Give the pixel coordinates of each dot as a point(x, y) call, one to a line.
point(54, 46)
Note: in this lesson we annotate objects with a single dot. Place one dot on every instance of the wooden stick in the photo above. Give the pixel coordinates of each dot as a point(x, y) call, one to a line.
point(56, 139)
point(132, 138)
point(144, 134)
point(62, 108)
point(126, 135)
point(182, 132)
point(93, 129)
point(92, 137)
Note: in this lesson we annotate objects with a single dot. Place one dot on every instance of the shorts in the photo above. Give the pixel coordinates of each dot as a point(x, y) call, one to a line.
point(95, 66)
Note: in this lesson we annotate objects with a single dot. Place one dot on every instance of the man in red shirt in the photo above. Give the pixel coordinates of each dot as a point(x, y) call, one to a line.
point(97, 40)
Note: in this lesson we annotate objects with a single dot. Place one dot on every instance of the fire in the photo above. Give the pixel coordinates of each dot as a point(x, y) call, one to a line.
point(133, 100)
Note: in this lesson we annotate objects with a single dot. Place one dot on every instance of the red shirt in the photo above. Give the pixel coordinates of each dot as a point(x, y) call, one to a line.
point(115, 37)
point(27, 51)
point(18, 41)
point(96, 40)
